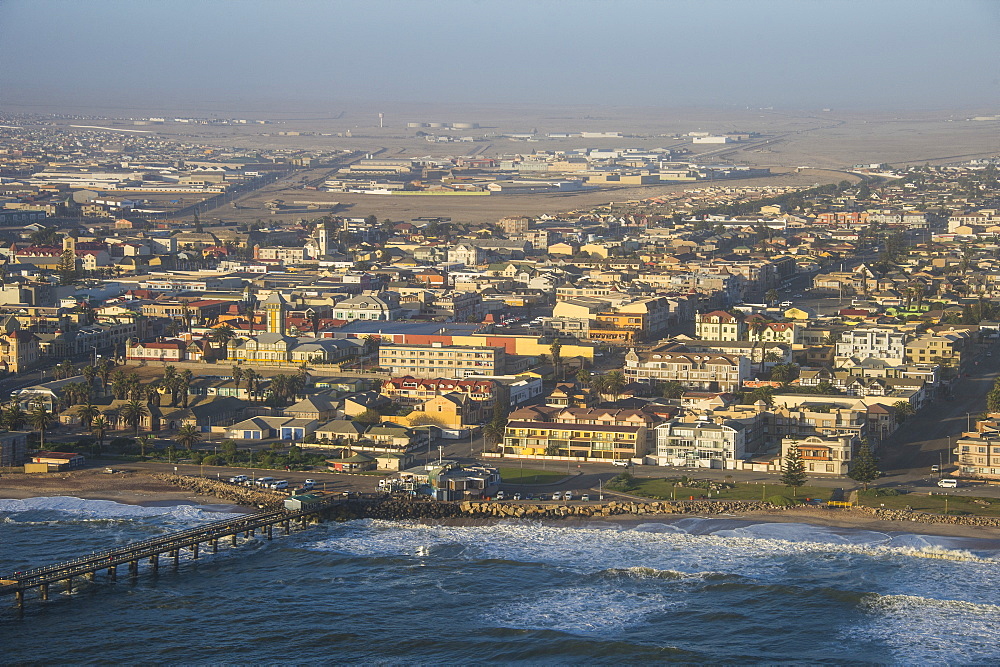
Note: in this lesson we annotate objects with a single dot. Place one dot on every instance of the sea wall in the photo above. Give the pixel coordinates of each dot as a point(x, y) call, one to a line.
point(239, 495)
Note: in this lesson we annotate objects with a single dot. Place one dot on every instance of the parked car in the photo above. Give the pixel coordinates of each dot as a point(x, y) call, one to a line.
point(585, 497)
point(309, 483)
point(568, 495)
point(948, 483)
point(265, 481)
point(500, 495)
point(238, 479)
point(280, 484)
point(517, 496)
point(622, 463)
point(557, 496)
point(935, 468)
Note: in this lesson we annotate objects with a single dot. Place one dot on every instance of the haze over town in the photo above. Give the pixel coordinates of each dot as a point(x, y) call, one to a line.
point(629, 263)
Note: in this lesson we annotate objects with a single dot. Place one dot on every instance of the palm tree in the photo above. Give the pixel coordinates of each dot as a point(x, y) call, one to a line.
point(237, 377)
point(87, 413)
point(186, 377)
point(14, 418)
point(279, 387)
point(253, 381)
point(188, 435)
point(40, 418)
point(104, 369)
point(615, 382)
point(89, 372)
point(99, 427)
point(583, 376)
point(144, 441)
point(132, 413)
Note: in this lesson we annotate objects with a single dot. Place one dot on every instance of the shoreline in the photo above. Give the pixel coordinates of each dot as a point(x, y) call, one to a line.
point(159, 490)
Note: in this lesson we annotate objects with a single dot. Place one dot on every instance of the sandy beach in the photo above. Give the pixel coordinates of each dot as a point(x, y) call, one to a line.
point(133, 488)
point(139, 488)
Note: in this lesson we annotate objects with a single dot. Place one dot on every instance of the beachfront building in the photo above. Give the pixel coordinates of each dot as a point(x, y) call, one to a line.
point(829, 455)
point(701, 443)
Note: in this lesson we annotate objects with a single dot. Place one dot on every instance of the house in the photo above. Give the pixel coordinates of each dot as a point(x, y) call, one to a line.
point(317, 407)
point(364, 401)
point(340, 431)
point(265, 428)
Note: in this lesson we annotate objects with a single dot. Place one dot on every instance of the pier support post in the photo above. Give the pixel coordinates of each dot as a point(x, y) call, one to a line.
point(287, 526)
point(44, 590)
point(69, 584)
point(176, 553)
point(133, 568)
point(215, 545)
point(89, 576)
point(154, 562)
point(253, 532)
point(19, 600)
point(234, 539)
point(194, 551)
point(113, 572)
point(269, 531)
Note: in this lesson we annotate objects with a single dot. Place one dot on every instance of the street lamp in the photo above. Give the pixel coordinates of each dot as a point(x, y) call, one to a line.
point(94, 348)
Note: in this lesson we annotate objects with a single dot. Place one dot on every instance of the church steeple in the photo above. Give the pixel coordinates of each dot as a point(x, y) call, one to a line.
point(275, 307)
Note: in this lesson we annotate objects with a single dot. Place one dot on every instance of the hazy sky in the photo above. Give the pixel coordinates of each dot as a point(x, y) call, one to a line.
point(786, 53)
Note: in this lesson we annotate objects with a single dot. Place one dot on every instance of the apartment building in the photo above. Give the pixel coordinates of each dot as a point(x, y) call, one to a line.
point(695, 370)
point(442, 361)
point(592, 441)
point(701, 443)
point(871, 342)
point(979, 455)
point(821, 455)
point(720, 325)
point(948, 348)
point(410, 390)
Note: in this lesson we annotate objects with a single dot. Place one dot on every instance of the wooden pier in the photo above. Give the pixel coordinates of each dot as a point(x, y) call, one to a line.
point(198, 539)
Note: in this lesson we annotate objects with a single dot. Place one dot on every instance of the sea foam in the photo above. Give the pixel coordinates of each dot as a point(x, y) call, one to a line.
point(83, 508)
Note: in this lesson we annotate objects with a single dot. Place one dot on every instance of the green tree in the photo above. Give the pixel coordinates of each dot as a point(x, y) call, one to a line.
point(229, 450)
point(494, 432)
point(132, 413)
point(66, 268)
point(614, 383)
point(369, 416)
point(671, 389)
point(87, 413)
point(99, 427)
point(772, 296)
point(793, 469)
point(187, 436)
point(903, 410)
point(993, 400)
point(14, 418)
point(40, 418)
point(864, 468)
point(144, 441)
point(555, 350)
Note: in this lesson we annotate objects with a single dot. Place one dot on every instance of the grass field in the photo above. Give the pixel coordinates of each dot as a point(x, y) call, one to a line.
point(662, 489)
point(528, 476)
point(959, 505)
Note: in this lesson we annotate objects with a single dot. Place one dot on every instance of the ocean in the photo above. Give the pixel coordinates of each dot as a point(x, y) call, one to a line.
point(690, 590)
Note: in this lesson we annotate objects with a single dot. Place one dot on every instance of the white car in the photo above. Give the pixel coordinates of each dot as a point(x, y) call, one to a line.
point(568, 495)
point(308, 484)
point(280, 484)
point(623, 463)
point(500, 495)
point(948, 483)
point(557, 496)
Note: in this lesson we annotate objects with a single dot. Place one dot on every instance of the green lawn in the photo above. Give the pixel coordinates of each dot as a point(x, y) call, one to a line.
point(934, 504)
point(662, 489)
point(530, 476)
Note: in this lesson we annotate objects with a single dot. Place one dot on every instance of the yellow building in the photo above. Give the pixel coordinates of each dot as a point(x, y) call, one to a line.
point(593, 441)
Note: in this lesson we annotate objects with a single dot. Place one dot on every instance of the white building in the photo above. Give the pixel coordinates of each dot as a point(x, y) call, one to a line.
point(863, 343)
point(701, 443)
point(378, 306)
